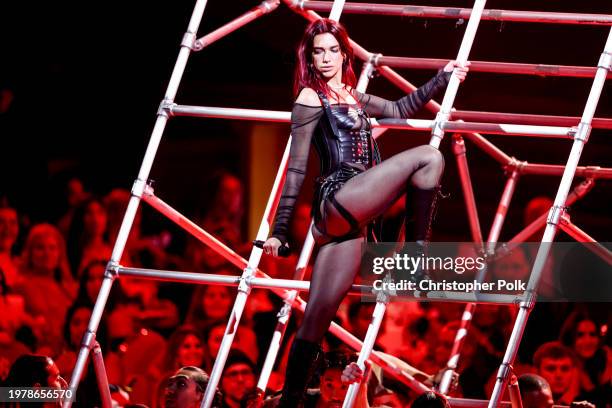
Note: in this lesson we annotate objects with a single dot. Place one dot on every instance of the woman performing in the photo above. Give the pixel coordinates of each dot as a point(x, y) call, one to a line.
point(354, 187)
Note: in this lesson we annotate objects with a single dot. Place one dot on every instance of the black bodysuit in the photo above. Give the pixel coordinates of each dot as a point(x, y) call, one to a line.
point(341, 135)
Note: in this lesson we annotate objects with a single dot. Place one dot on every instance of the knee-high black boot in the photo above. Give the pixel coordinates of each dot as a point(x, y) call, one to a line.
point(304, 357)
point(421, 208)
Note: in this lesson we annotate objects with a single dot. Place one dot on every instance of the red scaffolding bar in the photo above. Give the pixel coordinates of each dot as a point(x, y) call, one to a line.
point(455, 13)
point(542, 70)
point(526, 119)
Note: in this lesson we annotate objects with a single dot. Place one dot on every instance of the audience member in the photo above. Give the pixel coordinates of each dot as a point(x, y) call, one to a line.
point(582, 333)
point(133, 354)
point(87, 239)
point(147, 307)
point(35, 371)
point(245, 341)
point(238, 379)
point(13, 318)
point(210, 303)
point(430, 400)
point(184, 348)
point(9, 231)
point(75, 326)
point(535, 391)
point(558, 365)
point(47, 285)
point(75, 195)
point(185, 389)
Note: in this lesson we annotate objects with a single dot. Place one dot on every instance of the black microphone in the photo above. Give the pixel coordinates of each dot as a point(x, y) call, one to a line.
point(283, 250)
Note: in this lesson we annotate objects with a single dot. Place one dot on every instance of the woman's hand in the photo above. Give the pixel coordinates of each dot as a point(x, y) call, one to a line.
point(271, 246)
point(460, 71)
point(352, 373)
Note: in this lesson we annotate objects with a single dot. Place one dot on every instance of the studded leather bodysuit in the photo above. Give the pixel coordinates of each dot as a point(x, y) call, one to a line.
point(342, 137)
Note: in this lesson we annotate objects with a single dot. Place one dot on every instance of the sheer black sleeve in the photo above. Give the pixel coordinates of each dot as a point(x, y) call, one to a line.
point(407, 106)
point(304, 120)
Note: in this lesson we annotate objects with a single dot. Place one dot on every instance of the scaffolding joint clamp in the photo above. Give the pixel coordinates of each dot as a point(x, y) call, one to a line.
point(505, 369)
point(284, 310)
point(149, 190)
point(583, 131)
point(375, 58)
point(189, 40)
point(458, 144)
point(437, 129)
point(88, 339)
point(112, 269)
point(555, 212)
point(138, 187)
point(584, 187)
point(514, 165)
point(383, 296)
point(529, 300)
point(198, 45)
point(244, 284)
point(269, 5)
point(605, 61)
point(165, 107)
point(298, 4)
point(590, 172)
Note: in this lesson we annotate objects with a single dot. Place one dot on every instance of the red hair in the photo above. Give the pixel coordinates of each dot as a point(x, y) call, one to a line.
point(306, 75)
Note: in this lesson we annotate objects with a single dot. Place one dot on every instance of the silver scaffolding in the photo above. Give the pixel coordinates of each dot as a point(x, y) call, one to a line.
point(577, 129)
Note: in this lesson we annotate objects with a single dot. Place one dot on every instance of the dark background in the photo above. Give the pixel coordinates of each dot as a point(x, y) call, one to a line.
point(87, 79)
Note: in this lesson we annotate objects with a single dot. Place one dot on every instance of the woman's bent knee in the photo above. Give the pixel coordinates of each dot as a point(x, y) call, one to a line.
point(431, 156)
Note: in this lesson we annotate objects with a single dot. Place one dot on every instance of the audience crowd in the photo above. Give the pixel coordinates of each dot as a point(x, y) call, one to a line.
point(159, 339)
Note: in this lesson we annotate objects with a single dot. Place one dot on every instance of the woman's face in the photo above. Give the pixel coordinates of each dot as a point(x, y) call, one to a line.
point(94, 281)
point(9, 228)
point(216, 302)
point(230, 195)
point(78, 325)
point(215, 337)
point(190, 352)
point(45, 254)
point(587, 341)
point(95, 219)
point(327, 56)
point(512, 266)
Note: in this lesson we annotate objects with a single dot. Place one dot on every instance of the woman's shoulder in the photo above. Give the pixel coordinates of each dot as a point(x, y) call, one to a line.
point(309, 97)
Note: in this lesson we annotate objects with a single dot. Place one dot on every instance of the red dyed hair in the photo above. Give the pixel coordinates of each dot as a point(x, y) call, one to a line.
point(306, 75)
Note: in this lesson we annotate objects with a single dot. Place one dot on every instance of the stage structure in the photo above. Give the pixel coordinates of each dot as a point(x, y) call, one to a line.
point(577, 129)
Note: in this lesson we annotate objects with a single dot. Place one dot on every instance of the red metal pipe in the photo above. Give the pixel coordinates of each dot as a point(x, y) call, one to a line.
point(101, 376)
point(461, 13)
point(258, 11)
point(557, 170)
point(525, 119)
point(579, 235)
point(577, 193)
point(515, 392)
point(542, 70)
point(466, 183)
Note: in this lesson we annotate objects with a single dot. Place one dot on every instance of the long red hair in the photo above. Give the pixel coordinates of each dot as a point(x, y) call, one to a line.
point(306, 75)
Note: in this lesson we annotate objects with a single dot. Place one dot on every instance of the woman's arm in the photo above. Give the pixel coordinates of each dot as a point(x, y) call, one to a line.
point(304, 119)
point(407, 106)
